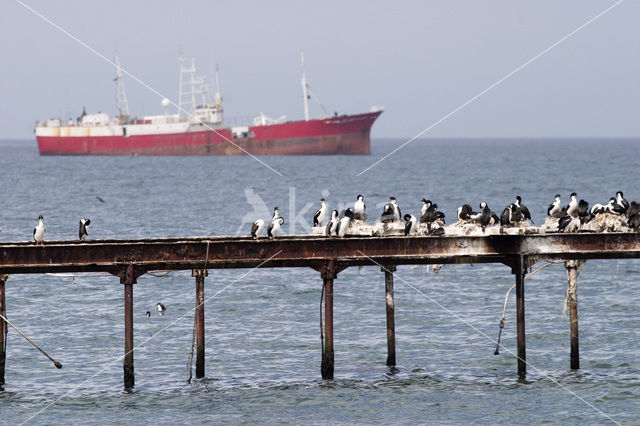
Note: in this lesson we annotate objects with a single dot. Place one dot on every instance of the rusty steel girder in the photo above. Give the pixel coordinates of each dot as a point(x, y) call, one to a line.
point(307, 251)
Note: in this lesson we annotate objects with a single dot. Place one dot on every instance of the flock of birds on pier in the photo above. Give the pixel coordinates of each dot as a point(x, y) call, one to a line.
point(618, 214)
point(570, 218)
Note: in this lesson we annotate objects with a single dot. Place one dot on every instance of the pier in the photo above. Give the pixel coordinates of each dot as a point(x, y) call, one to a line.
point(129, 259)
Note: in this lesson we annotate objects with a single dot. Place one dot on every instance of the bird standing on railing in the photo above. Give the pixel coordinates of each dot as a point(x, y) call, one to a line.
point(38, 232)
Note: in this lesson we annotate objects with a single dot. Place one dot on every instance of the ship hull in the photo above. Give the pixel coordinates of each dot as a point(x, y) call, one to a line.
point(347, 134)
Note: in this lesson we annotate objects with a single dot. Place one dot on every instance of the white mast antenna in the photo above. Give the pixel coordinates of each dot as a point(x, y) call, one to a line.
point(305, 86)
point(218, 96)
point(122, 105)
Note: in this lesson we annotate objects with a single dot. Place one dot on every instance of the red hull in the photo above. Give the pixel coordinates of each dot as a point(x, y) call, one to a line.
point(346, 134)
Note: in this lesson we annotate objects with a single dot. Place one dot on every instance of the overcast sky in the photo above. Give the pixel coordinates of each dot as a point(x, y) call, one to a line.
point(420, 60)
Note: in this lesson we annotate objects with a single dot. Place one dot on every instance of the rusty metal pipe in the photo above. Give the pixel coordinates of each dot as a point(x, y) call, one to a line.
point(326, 367)
point(522, 347)
point(3, 328)
point(390, 305)
point(200, 347)
point(572, 277)
point(129, 377)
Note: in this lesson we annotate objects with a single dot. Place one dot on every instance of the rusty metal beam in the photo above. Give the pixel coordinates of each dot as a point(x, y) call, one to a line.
point(199, 274)
point(3, 328)
point(390, 307)
point(240, 252)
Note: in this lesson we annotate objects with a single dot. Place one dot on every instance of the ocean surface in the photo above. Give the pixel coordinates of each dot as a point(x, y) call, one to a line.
point(263, 344)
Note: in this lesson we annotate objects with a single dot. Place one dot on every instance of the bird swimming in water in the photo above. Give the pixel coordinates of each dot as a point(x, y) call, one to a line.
point(82, 228)
point(332, 225)
point(38, 232)
point(319, 216)
point(555, 208)
point(275, 226)
point(148, 314)
point(344, 223)
point(257, 228)
point(359, 209)
point(410, 224)
point(160, 308)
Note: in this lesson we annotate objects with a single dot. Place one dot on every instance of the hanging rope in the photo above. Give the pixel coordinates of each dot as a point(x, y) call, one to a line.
point(506, 296)
point(56, 363)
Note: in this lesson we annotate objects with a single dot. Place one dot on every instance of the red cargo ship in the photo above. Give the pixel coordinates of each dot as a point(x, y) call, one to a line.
point(202, 131)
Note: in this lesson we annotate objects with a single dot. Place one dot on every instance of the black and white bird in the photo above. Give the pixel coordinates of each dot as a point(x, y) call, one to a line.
point(359, 209)
point(431, 214)
point(82, 228)
point(555, 208)
point(38, 231)
point(257, 228)
point(410, 224)
point(583, 212)
point(388, 214)
point(320, 214)
point(397, 215)
point(160, 308)
point(510, 215)
point(620, 201)
point(572, 207)
point(487, 216)
point(345, 221)
point(526, 215)
point(332, 225)
point(634, 208)
point(465, 212)
point(275, 227)
point(276, 213)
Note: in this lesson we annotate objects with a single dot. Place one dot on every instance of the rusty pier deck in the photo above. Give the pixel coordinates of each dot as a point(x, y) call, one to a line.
point(129, 259)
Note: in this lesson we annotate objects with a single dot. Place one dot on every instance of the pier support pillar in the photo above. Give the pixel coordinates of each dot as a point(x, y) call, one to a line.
point(328, 275)
point(572, 267)
point(519, 270)
point(3, 328)
point(199, 274)
point(128, 278)
point(391, 328)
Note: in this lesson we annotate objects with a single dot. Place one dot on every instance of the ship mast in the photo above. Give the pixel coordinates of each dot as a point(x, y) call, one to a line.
point(122, 105)
point(305, 86)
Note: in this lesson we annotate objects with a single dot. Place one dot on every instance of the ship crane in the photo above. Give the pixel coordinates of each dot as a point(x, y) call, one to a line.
point(122, 105)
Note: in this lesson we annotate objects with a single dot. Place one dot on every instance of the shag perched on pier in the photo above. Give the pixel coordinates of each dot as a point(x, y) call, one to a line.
point(257, 228)
point(487, 216)
point(397, 214)
point(465, 212)
point(621, 202)
point(319, 216)
point(359, 209)
point(525, 211)
point(572, 207)
point(38, 231)
point(275, 226)
point(345, 221)
point(410, 224)
point(555, 209)
point(388, 215)
point(82, 228)
point(332, 225)
point(431, 213)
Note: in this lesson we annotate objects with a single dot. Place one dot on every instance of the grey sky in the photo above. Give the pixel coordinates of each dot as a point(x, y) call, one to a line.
point(418, 59)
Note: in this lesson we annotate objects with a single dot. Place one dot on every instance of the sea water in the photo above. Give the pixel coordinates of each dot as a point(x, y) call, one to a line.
point(263, 345)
